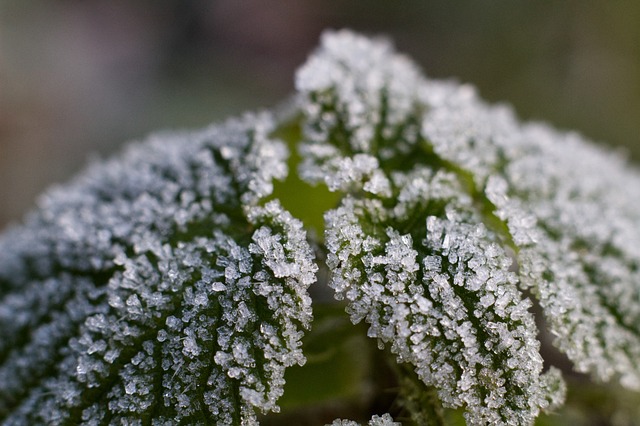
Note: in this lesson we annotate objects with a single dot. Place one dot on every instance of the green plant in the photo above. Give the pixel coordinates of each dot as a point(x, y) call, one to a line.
point(170, 285)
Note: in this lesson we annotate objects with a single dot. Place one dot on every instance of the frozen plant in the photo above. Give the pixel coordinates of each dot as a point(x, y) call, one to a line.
point(170, 285)
point(384, 420)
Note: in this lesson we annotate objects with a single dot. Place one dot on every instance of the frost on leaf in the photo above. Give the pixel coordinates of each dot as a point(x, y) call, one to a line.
point(157, 288)
point(359, 109)
point(384, 420)
point(163, 287)
point(452, 208)
point(440, 292)
point(572, 211)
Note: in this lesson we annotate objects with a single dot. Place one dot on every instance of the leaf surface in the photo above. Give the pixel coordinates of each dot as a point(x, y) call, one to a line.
point(157, 288)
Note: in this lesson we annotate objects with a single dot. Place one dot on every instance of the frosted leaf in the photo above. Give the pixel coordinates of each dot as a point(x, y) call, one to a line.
point(359, 108)
point(157, 285)
point(581, 253)
point(571, 209)
point(384, 420)
point(425, 262)
point(567, 211)
point(441, 294)
point(163, 287)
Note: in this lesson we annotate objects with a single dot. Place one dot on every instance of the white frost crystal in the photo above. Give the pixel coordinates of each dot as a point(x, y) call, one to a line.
point(384, 420)
point(444, 298)
point(571, 209)
point(168, 287)
point(476, 208)
point(157, 286)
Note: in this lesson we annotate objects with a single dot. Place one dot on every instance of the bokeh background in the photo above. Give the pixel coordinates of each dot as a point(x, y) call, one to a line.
point(80, 78)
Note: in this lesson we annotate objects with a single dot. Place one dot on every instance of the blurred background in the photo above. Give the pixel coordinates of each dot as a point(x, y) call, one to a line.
point(80, 78)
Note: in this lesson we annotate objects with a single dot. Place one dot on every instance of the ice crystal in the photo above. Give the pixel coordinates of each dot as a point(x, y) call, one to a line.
point(453, 208)
point(168, 286)
point(157, 286)
point(384, 420)
point(443, 297)
point(572, 211)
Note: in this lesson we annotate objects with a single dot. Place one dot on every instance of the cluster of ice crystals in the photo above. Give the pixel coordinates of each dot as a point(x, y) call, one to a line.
point(157, 286)
point(442, 295)
point(384, 420)
point(359, 107)
point(566, 211)
point(571, 209)
point(583, 256)
point(163, 288)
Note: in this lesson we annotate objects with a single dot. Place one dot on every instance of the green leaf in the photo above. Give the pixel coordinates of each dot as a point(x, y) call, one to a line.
point(338, 363)
point(157, 288)
point(384, 420)
point(415, 247)
point(169, 285)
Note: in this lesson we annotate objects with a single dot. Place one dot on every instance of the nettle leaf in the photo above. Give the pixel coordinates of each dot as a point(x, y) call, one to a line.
point(572, 211)
point(384, 420)
point(448, 303)
point(169, 286)
point(451, 210)
point(157, 288)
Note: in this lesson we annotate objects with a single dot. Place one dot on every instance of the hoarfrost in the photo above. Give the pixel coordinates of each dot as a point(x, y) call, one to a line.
point(142, 287)
point(165, 284)
point(563, 209)
point(384, 420)
point(426, 294)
